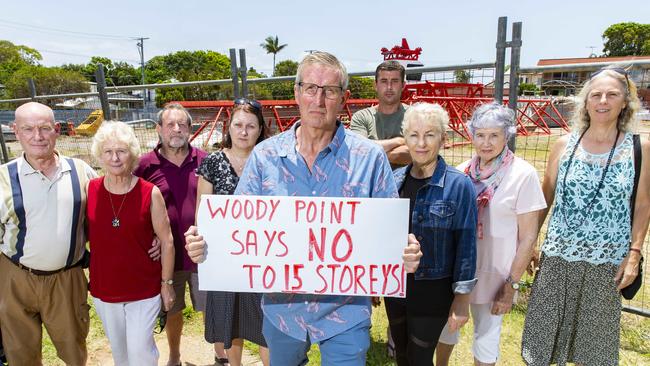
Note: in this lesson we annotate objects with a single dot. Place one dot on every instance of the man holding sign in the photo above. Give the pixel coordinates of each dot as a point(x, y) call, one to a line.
point(317, 158)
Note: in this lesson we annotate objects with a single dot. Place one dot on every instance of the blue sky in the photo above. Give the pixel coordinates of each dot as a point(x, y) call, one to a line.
point(449, 32)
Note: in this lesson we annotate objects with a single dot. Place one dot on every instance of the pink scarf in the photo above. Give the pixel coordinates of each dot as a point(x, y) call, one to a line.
point(487, 181)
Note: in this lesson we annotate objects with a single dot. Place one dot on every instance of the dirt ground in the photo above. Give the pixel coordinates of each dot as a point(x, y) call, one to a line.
point(195, 352)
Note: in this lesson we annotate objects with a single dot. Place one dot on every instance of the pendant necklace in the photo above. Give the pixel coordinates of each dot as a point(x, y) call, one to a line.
point(116, 219)
point(238, 166)
point(237, 163)
point(591, 203)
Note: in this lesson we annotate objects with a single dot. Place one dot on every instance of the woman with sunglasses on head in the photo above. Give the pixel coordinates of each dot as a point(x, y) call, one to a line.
point(232, 317)
point(593, 247)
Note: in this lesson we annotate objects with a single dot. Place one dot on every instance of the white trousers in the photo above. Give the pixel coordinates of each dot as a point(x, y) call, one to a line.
point(487, 333)
point(129, 328)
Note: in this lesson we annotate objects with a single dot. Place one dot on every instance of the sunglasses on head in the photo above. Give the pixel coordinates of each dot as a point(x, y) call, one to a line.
point(252, 102)
point(618, 70)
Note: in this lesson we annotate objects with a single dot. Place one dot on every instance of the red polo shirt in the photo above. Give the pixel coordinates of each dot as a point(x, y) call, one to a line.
point(178, 187)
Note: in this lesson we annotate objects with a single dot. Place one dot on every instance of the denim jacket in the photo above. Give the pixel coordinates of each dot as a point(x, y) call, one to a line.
point(444, 222)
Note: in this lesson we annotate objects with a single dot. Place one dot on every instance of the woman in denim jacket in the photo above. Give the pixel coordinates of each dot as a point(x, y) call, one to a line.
point(443, 218)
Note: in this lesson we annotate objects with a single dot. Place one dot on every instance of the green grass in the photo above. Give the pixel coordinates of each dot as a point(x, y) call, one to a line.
point(634, 351)
point(635, 340)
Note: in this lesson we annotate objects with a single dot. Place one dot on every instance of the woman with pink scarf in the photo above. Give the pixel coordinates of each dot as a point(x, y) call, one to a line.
point(509, 196)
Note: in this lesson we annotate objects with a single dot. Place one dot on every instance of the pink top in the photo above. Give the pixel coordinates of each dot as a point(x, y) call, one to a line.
point(520, 192)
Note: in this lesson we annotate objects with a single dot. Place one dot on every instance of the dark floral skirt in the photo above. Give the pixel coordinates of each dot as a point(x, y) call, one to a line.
point(573, 314)
point(230, 315)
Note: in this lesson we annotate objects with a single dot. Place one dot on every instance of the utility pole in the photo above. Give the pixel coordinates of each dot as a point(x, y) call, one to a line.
point(141, 51)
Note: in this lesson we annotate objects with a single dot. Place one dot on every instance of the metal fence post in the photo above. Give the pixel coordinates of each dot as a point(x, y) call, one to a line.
point(3, 147)
point(501, 59)
point(233, 71)
point(101, 89)
point(3, 144)
point(244, 71)
point(32, 88)
point(515, 55)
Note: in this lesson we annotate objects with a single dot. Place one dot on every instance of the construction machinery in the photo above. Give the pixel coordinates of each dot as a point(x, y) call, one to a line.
point(534, 115)
point(91, 124)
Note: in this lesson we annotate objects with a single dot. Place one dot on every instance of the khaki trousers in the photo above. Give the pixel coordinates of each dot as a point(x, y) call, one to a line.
point(28, 301)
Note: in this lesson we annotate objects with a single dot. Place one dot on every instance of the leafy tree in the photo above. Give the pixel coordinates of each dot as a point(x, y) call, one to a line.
point(362, 87)
point(285, 68)
point(167, 95)
point(14, 57)
point(80, 68)
point(11, 52)
point(283, 90)
point(252, 73)
point(272, 45)
point(462, 76)
point(627, 39)
point(116, 73)
point(91, 67)
point(124, 73)
point(189, 66)
point(48, 80)
point(257, 91)
point(528, 89)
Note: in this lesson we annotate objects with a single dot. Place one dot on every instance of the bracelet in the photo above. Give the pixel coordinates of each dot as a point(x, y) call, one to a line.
point(635, 250)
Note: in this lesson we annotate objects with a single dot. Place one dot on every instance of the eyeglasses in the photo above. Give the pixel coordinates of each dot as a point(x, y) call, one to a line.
point(252, 102)
point(330, 91)
point(162, 321)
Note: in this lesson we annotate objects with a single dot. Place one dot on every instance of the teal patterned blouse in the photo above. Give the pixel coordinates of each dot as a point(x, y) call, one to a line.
point(599, 233)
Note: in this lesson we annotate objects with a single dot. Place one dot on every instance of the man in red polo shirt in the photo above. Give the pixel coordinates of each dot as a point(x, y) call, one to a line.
point(171, 166)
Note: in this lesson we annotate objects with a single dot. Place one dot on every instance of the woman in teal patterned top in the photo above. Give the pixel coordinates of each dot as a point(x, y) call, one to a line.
point(592, 249)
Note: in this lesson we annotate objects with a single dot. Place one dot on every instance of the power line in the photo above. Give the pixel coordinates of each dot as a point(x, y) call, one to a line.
point(23, 26)
point(86, 56)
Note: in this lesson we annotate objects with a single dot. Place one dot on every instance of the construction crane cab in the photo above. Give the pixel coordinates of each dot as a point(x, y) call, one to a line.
point(406, 57)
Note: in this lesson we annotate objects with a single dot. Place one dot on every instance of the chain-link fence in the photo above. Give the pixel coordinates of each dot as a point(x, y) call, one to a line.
point(459, 88)
point(535, 149)
point(72, 115)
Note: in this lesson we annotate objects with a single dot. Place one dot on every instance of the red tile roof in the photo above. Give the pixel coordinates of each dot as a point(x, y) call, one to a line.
point(584, 60)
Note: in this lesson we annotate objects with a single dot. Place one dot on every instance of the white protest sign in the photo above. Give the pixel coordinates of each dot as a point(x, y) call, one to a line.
point(327, 245)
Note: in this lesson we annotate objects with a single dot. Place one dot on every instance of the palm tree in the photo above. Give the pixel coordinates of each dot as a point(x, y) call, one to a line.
point(271, 45)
